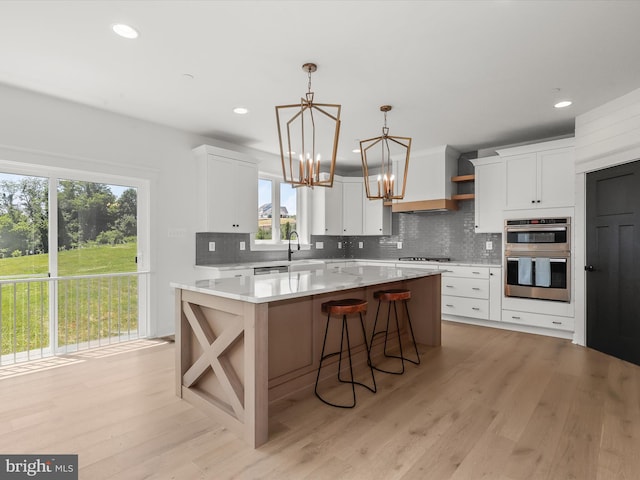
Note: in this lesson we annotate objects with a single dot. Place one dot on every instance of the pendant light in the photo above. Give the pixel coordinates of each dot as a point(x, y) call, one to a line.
point(308, 135)
point(385, 167)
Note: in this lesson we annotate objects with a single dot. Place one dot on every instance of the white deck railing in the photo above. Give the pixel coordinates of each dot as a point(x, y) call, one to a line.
point(42, 317)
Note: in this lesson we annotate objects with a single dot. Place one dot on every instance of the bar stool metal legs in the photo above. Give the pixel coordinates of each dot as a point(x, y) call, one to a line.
point(392, 297)
point(345, 307)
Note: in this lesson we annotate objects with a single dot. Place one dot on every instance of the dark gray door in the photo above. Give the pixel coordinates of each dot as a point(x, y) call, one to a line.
point(613, 261)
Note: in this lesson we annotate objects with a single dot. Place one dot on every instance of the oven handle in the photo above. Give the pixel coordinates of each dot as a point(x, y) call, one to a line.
point(529, 229)
point(552, 260)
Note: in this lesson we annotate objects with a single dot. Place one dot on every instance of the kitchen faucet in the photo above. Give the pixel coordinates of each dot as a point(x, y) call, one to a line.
point(289, 252)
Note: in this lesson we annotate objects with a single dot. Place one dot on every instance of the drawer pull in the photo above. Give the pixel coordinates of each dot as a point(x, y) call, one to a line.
point(475, 308)
point(475, 288)
point(515, 318)
point(476, 273)
point(556, 323)
point(449, 305)
point(449, 286)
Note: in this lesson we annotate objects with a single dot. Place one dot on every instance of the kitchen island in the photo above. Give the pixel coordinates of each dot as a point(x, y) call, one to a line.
point(245, 341)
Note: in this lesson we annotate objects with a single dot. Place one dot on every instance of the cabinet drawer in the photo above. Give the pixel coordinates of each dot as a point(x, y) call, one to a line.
point(465, 307)
point(538, 320)
point(464, 271)
point(465, 287)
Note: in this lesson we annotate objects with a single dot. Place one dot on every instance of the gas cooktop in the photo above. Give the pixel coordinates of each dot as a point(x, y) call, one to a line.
point(424, 259)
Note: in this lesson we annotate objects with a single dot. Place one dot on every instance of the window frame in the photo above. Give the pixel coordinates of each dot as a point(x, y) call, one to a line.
point(302, 216)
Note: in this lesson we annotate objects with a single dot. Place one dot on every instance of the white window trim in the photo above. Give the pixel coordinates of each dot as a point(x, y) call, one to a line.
point(302, 218)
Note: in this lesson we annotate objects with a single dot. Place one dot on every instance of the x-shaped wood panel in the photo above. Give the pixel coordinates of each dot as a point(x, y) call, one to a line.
point(214, 351)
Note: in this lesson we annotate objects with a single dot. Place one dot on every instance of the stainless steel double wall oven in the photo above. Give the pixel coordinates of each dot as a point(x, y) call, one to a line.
point(538, 258)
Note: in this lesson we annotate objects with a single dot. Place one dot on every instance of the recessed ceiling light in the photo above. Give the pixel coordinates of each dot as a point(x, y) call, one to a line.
point(563, 104)
point(241, 110)
point(125, 31)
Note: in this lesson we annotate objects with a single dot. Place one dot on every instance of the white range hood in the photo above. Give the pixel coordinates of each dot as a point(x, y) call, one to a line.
point(429, 186)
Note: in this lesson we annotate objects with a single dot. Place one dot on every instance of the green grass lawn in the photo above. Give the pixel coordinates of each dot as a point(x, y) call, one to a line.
point(88, 309)
point(82, 261)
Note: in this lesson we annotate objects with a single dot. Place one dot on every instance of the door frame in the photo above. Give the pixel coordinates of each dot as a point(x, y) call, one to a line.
point(142, 236)
point(580, 255)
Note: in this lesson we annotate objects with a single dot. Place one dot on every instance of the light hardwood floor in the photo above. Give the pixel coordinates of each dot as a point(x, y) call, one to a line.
point(488, 404)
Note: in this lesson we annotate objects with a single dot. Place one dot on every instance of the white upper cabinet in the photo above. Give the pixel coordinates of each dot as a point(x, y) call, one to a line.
point(489, 194)
point(326, 217)
point(361, 216)
point(539, 175)
point(377, 217)
point(227, 191)
point(352, 203)
point(345, 210)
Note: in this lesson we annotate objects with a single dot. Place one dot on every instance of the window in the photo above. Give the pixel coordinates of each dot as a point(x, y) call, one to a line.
point(275, 224)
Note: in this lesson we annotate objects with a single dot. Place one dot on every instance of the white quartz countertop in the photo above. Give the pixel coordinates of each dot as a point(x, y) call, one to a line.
point(329, 261)
point(281, 286)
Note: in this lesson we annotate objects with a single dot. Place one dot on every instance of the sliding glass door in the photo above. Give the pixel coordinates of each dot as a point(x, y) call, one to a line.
point(69, 274)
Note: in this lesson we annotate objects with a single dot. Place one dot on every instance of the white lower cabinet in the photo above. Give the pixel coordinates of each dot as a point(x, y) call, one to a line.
point(466, 292)
point(495, 294)
point(465, 307)
point(538, 320)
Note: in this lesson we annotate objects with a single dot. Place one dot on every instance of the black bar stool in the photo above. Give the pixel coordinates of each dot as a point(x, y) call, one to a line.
point(349, 306)
point(392, 296)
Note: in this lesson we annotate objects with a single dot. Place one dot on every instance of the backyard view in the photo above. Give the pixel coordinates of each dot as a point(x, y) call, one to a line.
point(285, 215)
point(96, 240)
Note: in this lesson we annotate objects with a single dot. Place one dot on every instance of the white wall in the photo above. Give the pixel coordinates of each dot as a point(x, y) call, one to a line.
point(44, 131)
point(606, 136)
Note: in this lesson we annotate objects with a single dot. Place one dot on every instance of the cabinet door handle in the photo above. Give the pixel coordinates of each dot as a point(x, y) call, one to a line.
point(537, 201)
point(533, 201)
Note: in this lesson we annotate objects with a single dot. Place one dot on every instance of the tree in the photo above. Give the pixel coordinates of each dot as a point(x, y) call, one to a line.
point(126, 213)
point(85, 211)
point(34, 199)
point(24, 215)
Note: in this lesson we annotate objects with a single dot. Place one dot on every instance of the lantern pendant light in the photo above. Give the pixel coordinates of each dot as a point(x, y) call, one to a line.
point(385, 167)
point(308, 135)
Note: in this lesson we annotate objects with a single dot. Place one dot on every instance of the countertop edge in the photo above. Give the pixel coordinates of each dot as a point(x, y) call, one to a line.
point(417, 273)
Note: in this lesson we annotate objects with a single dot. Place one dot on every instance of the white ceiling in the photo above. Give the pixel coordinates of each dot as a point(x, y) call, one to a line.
point(471, 74)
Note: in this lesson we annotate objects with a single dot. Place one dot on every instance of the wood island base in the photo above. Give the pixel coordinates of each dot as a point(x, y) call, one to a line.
point(234, 357)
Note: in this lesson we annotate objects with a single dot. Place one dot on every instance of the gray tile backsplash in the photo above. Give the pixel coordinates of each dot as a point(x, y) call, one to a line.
point(432, 234)
point(423, 234)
